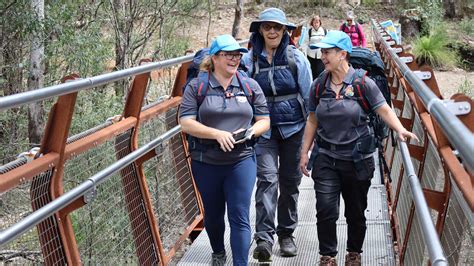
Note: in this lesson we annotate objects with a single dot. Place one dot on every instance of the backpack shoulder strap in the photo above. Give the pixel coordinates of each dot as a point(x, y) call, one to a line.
point(325, 31)
point(358, 83)
point(310, 31)
point(320, 85)
point(244, 83)
point(290, 55)
point(357, 25)
point(203, 85)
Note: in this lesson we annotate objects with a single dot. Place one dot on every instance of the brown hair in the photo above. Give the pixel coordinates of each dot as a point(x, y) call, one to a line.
point(316, 17)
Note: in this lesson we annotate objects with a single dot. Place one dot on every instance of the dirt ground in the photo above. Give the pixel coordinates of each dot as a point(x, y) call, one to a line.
point(449, 82)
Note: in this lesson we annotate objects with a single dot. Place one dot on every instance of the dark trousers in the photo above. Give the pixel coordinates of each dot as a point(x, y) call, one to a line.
point(317, 66)
point(277, 171)
point(230, 185)
point(333, 177)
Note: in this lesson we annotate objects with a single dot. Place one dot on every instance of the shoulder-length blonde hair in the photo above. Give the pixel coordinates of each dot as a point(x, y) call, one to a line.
point(207, 64)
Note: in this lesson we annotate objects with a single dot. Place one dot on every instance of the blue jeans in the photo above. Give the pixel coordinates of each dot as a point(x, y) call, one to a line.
point(333, 177)
point(232, 185)
point(277, 169)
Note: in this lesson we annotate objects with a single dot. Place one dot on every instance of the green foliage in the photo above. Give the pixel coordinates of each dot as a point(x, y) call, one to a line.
point(370, 3)
point(429, 12)
point(72, 47)
point(466, 88)
point(467, 26)
point(433, 50)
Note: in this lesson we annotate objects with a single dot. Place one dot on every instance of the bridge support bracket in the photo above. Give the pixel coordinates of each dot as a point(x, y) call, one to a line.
point(457, 108)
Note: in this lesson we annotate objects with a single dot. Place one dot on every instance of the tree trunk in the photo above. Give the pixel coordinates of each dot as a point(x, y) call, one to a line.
point(410, 26)
point(239, 13)
point(35, 77)
point(122, 42)
point(449, 8)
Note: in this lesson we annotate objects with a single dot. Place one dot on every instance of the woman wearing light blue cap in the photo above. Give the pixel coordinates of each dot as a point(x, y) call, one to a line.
point(340, 101)
point(217, 104)
point(284, 74)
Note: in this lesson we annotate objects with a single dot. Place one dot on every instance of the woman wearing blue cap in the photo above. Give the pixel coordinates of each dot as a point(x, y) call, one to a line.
point(284, 74)
point(215, 106)
point(337, 124)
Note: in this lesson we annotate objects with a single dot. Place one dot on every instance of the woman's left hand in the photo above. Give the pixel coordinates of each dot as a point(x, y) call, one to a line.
point(404, 134)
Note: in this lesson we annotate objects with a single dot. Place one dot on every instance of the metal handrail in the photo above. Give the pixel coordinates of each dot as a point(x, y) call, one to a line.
point(457, 133)
point(49, 209)
point(430, 236)
point(22, 98)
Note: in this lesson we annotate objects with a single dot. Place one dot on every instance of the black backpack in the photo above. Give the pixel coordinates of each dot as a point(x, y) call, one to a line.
point(363, 58)
point(193, 69)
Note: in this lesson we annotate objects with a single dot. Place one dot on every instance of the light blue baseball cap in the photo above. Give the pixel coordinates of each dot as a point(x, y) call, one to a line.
point(271, 15)
point(335, 38)
point(225, 43)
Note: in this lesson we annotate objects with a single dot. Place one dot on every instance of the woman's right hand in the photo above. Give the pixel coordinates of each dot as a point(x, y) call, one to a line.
point(225, 140)
point(304, 159)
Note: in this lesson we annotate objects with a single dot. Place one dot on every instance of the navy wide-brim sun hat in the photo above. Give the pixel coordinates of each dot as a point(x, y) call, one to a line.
point(271, 15)
point(225, 43)
point(335, 38)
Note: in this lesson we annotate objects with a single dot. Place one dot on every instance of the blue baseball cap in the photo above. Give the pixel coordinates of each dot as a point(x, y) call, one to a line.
point(225, 43)
point(335, 38)
point(271, 15)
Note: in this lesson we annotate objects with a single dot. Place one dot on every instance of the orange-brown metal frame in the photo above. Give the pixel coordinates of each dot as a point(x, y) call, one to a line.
point(437, 200)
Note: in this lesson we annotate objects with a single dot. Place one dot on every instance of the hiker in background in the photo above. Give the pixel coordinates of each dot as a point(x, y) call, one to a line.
point(315, 33)
point(344, 163)
point(354, 30)
point(224, 169)
point(284, 74)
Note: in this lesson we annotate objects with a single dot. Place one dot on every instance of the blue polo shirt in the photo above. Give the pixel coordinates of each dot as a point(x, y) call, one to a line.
point(220, 111)
point(304, 83)
point(343, 121)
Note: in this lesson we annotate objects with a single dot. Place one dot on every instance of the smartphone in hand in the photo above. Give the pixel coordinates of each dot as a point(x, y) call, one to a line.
point(240, 136)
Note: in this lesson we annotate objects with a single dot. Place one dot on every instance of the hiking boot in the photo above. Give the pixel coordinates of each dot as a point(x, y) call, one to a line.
point(353, 259)
point(327, 261)
point(287, 246)
point(263, 251)
point(218, 259)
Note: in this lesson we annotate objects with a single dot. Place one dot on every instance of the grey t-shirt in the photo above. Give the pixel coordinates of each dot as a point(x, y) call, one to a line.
point(227, 111)
point(341, 120)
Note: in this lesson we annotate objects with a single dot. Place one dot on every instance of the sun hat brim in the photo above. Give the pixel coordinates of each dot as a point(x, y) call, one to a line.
point(256, 24)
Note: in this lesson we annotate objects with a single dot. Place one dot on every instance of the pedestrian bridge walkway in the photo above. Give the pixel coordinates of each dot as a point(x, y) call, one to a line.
point(378, 247)
point(121, 191)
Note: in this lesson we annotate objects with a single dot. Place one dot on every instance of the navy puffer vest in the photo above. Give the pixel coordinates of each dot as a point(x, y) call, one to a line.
point(277, 80)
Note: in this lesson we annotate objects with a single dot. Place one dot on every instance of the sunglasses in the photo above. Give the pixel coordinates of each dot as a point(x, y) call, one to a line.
point(268, 27)
point(231, 56)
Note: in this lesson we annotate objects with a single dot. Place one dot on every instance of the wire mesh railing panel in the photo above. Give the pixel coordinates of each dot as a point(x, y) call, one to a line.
point(94, 107)
point(407, 108)
point(17, 204)
point(418, 129)
point(157, 126)
point(433, 175)
point(415, 249)
point(457, 238)
point(171, 188)
point(404, 206)
point(84, 165)
point(389, 151)
point(396, 168)
point(160, 83)
point(111, 228)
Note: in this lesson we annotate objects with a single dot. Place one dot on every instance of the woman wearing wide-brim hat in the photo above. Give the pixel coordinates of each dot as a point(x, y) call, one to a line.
point(284, 74)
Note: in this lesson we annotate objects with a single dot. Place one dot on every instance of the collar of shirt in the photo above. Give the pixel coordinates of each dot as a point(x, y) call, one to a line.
point(347, 78)
point(214, 83)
